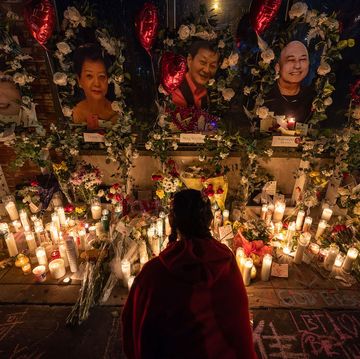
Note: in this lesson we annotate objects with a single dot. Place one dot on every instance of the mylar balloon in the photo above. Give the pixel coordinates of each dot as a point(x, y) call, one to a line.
point(40, 19)
point(173, 70)
point(262, 13)
point(146, 25)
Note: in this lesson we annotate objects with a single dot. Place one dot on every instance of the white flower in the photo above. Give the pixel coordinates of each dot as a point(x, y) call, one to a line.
point(255, 72)
point(346, 147)
point(297, 10)
point(184, 32)
point(323, 69)
point(101, 193)
point(63, 47)
point(174, 145)
point(211, 82)
point(201, 158)
point(356, 113)
point(243, 180)
point(262, 112)
point(19, 79)
point(26, 100)
point(311, 17)
point(356, 209)
point(223, 155)
point(225, 64)
point(60, 79)
point(247, 90)
point(269, 152)
point(233, 59)
point(67, 111)
point(72, 14)
point(267, 56)
point(162, 90)
point(228, 93)
point(204, 35)
point(74, 152)
point(108, 44)
point(168, 42)
point(69, 33)
point(156, 136)
point(328, 101)
point(148, 145)
point(221, 44)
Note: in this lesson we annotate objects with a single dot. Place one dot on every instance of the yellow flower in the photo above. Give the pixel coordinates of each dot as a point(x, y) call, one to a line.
point(351, 42)
point(160, 193)
point(80, 210)
point(314, 174)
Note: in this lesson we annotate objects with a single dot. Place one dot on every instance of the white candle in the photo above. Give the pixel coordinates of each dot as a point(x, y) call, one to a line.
point(314, 248)
point(226, 215)
point(339, 260)
point(143, 253)
point(61, 213)
point(167, 226)
point(71, 254)
point(126, 270)
point(278, 227)
point(290, 232)
point(279, 212)
point(17, 225)
point(63, 254)
point(159, 227)
point(130, 281)
point(57, 268)
point(351, 255)
point(54, 234)
point(57, 200)
point(24, 218)
point(240, 258)
point(82, 235)
point(266, 267)
point(31, 242)
point(326, 214)
point(96, 208)
point(39, 273)
point(331, 257)
point(12, 210)
point(321, 228)
point(300, 219)
point(4, 228)
point(41, 256)
point(247, 271)
point(11, 245)
point(307, 224)
point(155, 244)
point(56, 220)
point(264, 210)
point(303, 242)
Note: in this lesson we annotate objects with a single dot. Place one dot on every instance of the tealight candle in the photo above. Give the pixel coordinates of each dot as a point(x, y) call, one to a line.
point(351, 255)
point(278, 212)
point(291, 123)
point(247, 271)
point(326, 214)
point(24, 218)
point(39, 273)
point(321, 228)
point(57, 268)
point(10, 207)
point(300, 219)
point(307, 224)
point(31, 242)
point(26, 268)
point(266, 267)
point(303, 242)
point(331, 257)
point(264, 209)
point(41, 256)
point(96, 208)
point(11, 245)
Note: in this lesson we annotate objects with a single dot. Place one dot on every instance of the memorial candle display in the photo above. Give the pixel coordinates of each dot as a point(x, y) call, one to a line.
point(264, 209)
point(96, 208)
point(247, 271)
point(326, 214)
point(279, 211)
point(351, 255)
point(331, 257)
point(303, 242)
point(11, 245)
point(24, 218)
point(31, 242)
point(307, 224)
point(321, 228)
point(10, 206)
point(41, 256)
point(266, 267)
point(57, 268)
point(300, 219)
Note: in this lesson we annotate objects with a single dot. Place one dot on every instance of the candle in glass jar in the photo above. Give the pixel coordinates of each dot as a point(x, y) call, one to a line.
point(63, 254)
point(31, 242)
point(54, 234)
point(39, 273)
point(126, 270)
point(351, 255)
point(57, 268)
point(307, 224)
point(331, 257)
point(322, 254)
point(290, 232)
point(11, 244)
point(278, 227)
point(264, 209)
point(339, 260)
point(96, 208)
point(56, 220)
point(326, 214)
point(300, 219)
point(71, 254)
point(240, 258)
point(41, 256)
point(278, 212)
point(17, 225)
point(247, 271)
point(321, 228)
point(303, 242)
point(159, 227)
point(24, 218)
point(291, 123)
point(314, 248)
point(266, 267)
point(26, 268)
point(11, 209)
point(225, 215)
point(61, 213)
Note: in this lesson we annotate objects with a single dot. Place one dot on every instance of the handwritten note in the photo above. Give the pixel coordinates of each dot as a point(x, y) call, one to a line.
point(192, 138)
point(270, 188)
point(225, 232)
point(285, 141)
point(280, 270)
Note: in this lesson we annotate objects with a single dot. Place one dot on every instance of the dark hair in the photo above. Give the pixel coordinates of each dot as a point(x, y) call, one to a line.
point(191, 215)
point(202, 44)
point(91, 52)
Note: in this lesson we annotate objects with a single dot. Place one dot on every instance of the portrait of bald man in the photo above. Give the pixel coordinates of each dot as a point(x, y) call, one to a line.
point(288, 96)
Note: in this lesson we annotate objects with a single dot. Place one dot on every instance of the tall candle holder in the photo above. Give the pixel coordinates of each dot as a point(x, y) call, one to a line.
point(10, 206)
point(303, 242)
point(331, 257)
point(300, 219)
point(96, 208)
point(266, 267)
point(307, 224)
point(247, 271)
point(351, 255)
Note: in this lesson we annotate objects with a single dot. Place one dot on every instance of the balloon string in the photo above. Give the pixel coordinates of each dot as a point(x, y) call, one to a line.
point(154, 78)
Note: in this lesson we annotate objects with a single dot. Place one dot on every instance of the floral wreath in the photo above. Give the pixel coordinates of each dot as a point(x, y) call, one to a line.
point(118, 141)
point(324, 33)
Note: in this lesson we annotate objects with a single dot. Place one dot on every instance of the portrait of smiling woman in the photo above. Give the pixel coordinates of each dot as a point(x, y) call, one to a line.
point(92, 73)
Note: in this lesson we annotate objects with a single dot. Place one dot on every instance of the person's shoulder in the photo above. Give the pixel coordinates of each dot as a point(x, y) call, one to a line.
point(150, 270)
point(79, 112)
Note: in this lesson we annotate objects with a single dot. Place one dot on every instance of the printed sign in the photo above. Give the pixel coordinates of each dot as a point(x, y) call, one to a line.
point(285, 141)
point(192, 138)
point(93, 137)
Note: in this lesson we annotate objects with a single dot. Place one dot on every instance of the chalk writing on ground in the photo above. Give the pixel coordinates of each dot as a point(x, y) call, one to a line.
point(11, 321)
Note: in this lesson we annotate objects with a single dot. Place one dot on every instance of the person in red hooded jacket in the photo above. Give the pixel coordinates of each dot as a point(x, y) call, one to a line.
point(190, 301)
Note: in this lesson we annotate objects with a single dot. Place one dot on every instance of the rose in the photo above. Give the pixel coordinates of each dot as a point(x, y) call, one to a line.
point(19, 79)
point(69, 33)
point(67, 111)
point(115, 106)
point(156, 177)
point(60, 79)
point(323, 69)
point(328, 101)
point(228, 94)
point(297, 10)
point(184, 32)
point(233, 59)
point(63, 47)
point(262, 112)
point(73, 15)
point(267, 56)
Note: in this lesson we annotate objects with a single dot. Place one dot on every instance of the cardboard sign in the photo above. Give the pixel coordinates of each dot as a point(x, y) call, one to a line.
point(192, 138)
point(285, 141)
point(225, 232)
point(301, 128)
point(270, 188)
point(93, 137)
point(280, 270)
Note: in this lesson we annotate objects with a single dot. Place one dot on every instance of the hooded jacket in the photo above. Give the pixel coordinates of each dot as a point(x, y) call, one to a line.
point(190, 302)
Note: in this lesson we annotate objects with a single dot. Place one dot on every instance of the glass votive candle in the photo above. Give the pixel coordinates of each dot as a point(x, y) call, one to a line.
point(26, 268)
point(96, 208)
point(326, 214)
point(39, 273)
point(264, 210)
point(307, 224)
point(303, 242)
point(322, 254)
point(321, 228)
point(314, 248)
point(351, 255)
point(247, 271)
point(339, 260)
point(331, 257)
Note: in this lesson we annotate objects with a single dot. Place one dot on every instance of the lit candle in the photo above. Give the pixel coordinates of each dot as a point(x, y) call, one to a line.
point(322, 254)
point(290, 232)
point(314, 248)
point(351, 255)
point(159, 227)
point(57, 268)
point(278, 227)
point(264, 210)
point(31, 242)
point(26, 268)
point(61, 213)
point(82, 235)
point(10, 207)
point(96, 208)
point(130, 281)
point(339, 260)
point(266, 267)
point(71, 254)
point(126, 270)
point(300, 219)
point(303, 242)
point(54, 234)
point(24, 218)
point(41, 256)
point(39, 273)
point(167, 226)
point(17, 225)
point(226, 215)
point(326, 214)
point(56, 220)
point(331, 257)
point(11, 245)
point(247, 271)
point(291, 123)
point(63, 254)
point(240, 258)
point(321, 228)
point(307, 224)
point(278, 212)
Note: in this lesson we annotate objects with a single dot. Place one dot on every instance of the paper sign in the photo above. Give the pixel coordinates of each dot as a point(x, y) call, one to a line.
point(270, 188)
point(266, 124)
point(285, 141)
point(93, 137)
point(225, 232)
point(192, 138)
point(280, 270)
point(301, 128)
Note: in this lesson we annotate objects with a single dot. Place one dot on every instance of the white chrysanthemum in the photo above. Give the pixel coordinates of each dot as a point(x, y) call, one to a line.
point(63, 47)
point(156, 136)
point(267, 56)
point(324, 68)
point(262, 112)
point(233, 59)
point(60, 78)
point(298, 9)
point(184, 32)
point(228, 93)
point(19, 79)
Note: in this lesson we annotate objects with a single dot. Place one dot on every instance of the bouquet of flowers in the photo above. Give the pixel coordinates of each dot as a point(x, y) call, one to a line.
point(31, 195)
point(116, 194)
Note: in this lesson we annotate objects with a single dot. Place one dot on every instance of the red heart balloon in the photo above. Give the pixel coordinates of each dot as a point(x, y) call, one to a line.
point(146, 26)
point(262, 13)
point(173, 70)
point(40, 19)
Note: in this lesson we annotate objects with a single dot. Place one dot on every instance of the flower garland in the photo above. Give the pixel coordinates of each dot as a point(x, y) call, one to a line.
point(324, 34)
